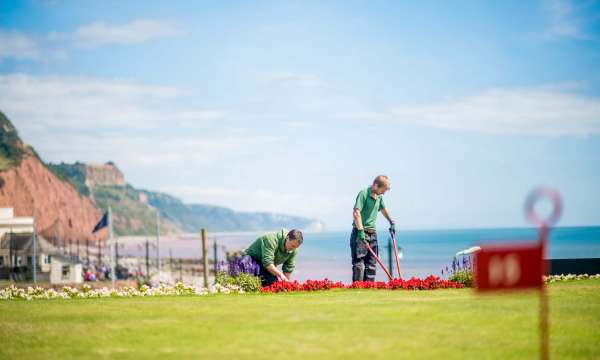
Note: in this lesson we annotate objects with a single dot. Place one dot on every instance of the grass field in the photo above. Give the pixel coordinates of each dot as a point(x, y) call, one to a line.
point(341, 324)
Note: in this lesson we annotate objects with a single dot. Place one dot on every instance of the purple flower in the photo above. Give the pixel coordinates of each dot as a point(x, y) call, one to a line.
point(243, 264)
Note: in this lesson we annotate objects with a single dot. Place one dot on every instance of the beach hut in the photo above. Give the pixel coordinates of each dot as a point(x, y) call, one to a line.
point(65, 270)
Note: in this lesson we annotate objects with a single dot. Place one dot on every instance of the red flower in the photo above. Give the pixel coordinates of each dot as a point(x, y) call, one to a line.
point(429, 283)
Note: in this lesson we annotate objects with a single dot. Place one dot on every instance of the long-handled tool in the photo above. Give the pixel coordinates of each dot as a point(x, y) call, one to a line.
point(378, 260)
point(393, 234)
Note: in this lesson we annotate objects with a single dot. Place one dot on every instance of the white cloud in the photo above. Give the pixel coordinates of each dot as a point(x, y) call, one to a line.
point(24, 46)
point(139, 126)
point(137, 31)
point(14, 44)
point(50, 102)
point(533, 111)
point(564, 20)
point(146, 154)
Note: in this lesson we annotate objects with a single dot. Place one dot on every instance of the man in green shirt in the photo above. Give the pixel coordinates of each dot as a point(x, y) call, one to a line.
point(368, 203)
point(273, 249)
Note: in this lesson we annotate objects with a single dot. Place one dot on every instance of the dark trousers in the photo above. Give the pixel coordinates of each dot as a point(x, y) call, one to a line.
point(364, 265)
point(266, 278)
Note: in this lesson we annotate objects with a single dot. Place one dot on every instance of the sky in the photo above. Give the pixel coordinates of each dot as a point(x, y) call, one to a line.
point(295, 106)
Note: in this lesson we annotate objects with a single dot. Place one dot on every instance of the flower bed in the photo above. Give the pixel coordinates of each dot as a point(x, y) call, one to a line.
point(569, 277)
point(86, 292)
point(308, 285)
point(429, 283)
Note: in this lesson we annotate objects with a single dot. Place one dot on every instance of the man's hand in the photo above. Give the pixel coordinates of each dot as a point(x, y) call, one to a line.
point(393, 227)
point(275, 271)
point(361, 234)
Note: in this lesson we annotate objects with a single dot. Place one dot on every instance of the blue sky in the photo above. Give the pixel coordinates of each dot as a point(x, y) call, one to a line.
point(295, 106)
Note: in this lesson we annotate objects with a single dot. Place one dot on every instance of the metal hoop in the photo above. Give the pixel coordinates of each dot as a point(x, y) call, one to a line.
point(534, 197)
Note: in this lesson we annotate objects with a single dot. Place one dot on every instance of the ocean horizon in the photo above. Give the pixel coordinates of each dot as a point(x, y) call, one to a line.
point(425, 252)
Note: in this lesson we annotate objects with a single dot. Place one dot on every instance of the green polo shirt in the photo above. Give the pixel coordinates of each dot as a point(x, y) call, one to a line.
point(270, 249)
point(368, 207)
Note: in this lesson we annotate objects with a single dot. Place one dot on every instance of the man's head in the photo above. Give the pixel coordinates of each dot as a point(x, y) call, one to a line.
point(381, 184)
point(293, 240)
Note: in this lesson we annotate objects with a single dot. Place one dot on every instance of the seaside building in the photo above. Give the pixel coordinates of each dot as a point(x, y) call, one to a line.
point(65, 270)
point(16, 249)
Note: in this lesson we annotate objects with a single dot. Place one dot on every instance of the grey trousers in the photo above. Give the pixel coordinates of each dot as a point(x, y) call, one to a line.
point(364, 265)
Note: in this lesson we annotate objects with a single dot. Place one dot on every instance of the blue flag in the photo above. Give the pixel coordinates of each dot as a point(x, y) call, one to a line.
point(102, 223)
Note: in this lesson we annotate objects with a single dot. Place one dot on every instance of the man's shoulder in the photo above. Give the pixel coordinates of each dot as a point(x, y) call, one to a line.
point(364, 192)
point(274, 235)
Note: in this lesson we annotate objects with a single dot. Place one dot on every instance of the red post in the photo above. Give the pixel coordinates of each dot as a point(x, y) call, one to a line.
point(544, 306)
point(544, 325)
point(518, 266)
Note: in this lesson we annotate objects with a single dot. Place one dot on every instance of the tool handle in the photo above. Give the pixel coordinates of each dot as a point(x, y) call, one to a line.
point(393, 234)
point(378, 260)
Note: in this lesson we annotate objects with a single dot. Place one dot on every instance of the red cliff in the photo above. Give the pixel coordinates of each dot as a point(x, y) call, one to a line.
point(31, 185)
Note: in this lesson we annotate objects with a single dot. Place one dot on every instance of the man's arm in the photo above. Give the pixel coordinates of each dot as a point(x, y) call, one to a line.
point(358, 224)
point(275, 271)
point(357, 219)
point(358, 205)
point(387, 215)
point(289, 265)
point(268, 256)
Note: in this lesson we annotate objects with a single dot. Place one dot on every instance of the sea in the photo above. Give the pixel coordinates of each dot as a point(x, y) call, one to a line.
point(426, 252)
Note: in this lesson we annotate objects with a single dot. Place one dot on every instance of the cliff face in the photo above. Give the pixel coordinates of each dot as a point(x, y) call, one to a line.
point(31, 185)
point(104, 174)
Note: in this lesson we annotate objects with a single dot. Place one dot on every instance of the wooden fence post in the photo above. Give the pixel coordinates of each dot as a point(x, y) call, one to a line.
point(204, 256)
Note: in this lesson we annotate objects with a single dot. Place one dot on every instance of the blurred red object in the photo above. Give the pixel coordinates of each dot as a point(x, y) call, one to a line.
point(509, 267)
point(520, 265)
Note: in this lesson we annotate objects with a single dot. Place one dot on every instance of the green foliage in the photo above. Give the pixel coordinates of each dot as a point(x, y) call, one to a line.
point(464, 277)
point(245, 281)
point(72, 173)
point(141, 281)
point(131, 216)
point(11, 147)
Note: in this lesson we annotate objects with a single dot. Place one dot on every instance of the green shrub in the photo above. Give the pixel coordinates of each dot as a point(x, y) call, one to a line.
point(11, 148)
point(247, 282)
point(75, 174)
point(464, 277)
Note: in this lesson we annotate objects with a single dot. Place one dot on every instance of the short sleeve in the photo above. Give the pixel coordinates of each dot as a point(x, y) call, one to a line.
point(381, 204)
point(360, 200)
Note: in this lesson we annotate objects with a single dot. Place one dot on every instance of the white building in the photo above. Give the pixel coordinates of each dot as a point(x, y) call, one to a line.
point(16, 246)
point(65, 271)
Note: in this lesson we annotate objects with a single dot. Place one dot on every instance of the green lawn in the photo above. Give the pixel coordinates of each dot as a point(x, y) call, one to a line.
point(341, 324)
